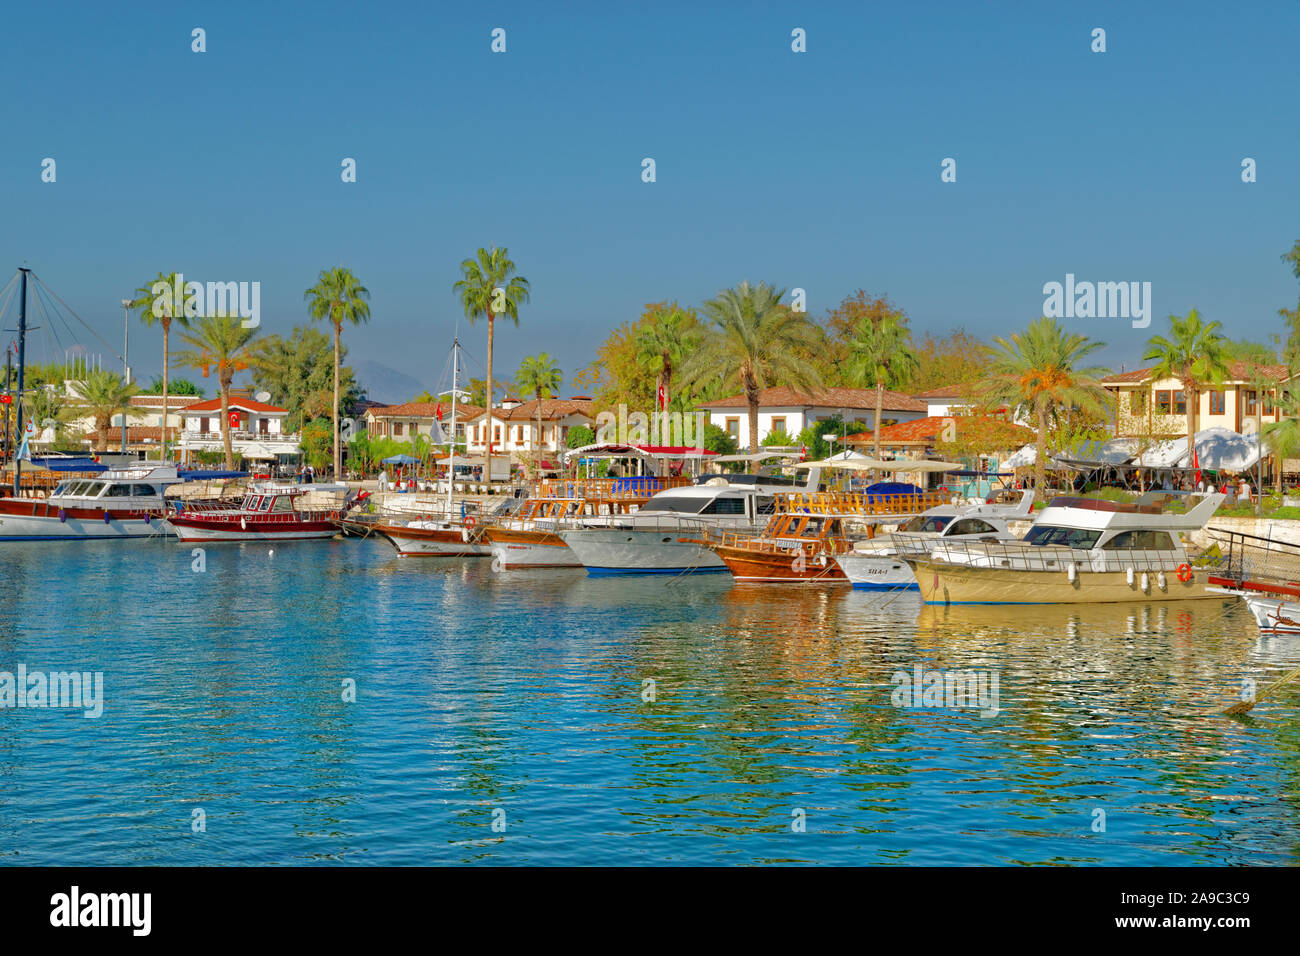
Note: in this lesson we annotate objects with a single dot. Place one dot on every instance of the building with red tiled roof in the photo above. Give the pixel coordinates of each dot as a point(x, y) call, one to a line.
point(256, 429)
point(926, 433)
point(1147, 406)
point(789, 411)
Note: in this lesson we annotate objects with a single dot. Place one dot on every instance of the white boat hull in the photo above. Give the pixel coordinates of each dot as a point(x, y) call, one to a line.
point(632, 551)
point(884, 572)
point(216, 534)
point(510, 555)
point(35, 528)
point(1273, 614)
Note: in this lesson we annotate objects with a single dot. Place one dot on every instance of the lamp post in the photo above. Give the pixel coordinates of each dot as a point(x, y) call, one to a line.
point(126, 368)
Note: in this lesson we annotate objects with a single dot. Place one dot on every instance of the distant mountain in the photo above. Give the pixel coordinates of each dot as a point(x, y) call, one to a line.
point(383, 383)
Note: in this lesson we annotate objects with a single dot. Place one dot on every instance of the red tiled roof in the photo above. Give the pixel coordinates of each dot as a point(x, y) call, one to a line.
point(464, 411)
point(134, 433)
point(247, 404)
point(784, 397)
point(552, 408)
point(960, 390)
point(1238, 371)
point(923, 430)
point(173, 401)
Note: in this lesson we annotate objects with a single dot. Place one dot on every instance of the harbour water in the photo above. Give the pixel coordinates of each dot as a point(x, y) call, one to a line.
point(640, 720)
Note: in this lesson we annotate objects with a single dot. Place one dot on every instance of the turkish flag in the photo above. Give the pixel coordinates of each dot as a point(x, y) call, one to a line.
point(663, 398)
point(438, 412)
point(234, 419)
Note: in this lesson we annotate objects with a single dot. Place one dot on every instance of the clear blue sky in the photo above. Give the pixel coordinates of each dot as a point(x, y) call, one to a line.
point(818, 170)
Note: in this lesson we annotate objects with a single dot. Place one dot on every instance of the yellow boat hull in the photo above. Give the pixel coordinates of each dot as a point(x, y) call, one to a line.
point(949, 584)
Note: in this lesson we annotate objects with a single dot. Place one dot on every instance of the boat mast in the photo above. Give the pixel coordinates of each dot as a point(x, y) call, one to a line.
point(22, 360)
point(455, 384)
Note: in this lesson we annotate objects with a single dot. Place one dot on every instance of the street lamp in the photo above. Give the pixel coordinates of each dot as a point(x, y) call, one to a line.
point(126, 369)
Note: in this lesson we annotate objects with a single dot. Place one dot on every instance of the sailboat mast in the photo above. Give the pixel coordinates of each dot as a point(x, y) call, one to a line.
point(455, 384)
point(22, 362)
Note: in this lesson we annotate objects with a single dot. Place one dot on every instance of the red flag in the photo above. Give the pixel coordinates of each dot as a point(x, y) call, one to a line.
point(663, 397)
point(1196, 463)
point(438, 412)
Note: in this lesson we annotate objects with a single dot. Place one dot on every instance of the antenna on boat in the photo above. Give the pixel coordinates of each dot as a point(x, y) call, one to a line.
point(22, 359)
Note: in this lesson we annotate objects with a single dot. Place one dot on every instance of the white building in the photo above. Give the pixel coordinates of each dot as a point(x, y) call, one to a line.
point(786, 410)
point(256, 429)
point(515, 425)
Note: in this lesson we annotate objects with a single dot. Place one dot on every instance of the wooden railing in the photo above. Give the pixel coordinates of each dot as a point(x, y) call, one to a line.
point(637, 488)
point(850, 504)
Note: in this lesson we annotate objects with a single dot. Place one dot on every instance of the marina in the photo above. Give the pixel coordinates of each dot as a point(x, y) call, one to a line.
point(766, 700)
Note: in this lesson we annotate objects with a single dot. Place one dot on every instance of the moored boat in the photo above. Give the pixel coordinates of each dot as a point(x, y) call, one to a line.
point(267, 512)
point(1079, 551)
point(435, 537)
point(122, 502)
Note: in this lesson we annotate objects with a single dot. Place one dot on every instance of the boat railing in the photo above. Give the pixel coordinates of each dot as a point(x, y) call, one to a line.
point(633, 488)
point(1019, 556)
point(857, 504)
point(1249, 558)
point(756, 541)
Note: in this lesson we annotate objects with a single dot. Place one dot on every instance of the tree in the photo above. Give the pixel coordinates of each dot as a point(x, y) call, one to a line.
point(880, 354)
point(1292, 316)
point(957, 358)
point(580, 436)
point(1282, 438)
point(539, 375)
point(317, 442)
point(717, 440)
point(756, 342)
point(842, 324)
point(297, 371)
point(338, 297)
point(163, 307)
point(178, 386)
point(490, 287)
point(220, 342)
point(816, 447)
point(1037, 369)
point(104, 394)
point(664, 337)
point(1194, 354)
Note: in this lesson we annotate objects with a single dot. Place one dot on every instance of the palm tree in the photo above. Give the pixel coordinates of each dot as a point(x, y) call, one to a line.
point(490, 288)
point(1282, 438)
point(103, 395)
point(756, 342)
point(338, 296)
point(162, 308)
point(221, 342)
point(540, 375)
point(880, 354)
point(1037, 369)
point(662, 344)
point(1196, 355)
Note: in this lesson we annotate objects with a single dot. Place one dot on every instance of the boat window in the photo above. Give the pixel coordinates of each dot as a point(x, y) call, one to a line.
point(119, 490)
point(144, 491)
point(283, 504)
point(971, 526)
point(933, 523)
point(725, 506)
point(91, 489)
point(266, 503)
point(250, 503)
point(766, 505)
point(1140, 541)
point(1043, 535)
point(679, 503)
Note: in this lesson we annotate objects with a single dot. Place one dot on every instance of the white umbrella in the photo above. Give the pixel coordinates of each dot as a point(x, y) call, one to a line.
point(1025, 457)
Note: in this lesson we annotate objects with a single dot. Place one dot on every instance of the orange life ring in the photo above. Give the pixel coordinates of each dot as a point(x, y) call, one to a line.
point(1184, 572)
point(469, 521)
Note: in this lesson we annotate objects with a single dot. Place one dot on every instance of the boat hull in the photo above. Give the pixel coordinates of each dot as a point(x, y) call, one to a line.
point(632, 551)
point(523, 548)
point(24, 519)
point(432, 542)
point(754, 566)
point(877, 572)
point(212, 529)
point(948, 584)
point(1274, 615)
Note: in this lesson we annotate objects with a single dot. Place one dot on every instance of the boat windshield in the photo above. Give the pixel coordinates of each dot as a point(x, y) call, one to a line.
point(679, 504)
point(933, 524)
point(1044, 535)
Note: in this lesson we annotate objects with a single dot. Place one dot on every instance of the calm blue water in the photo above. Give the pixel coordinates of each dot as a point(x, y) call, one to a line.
point(522, 694)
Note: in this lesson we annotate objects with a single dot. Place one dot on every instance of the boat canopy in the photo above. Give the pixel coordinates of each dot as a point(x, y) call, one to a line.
point(67, 464)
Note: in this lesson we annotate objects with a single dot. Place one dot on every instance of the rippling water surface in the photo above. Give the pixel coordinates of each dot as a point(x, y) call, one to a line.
point(522, 698)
